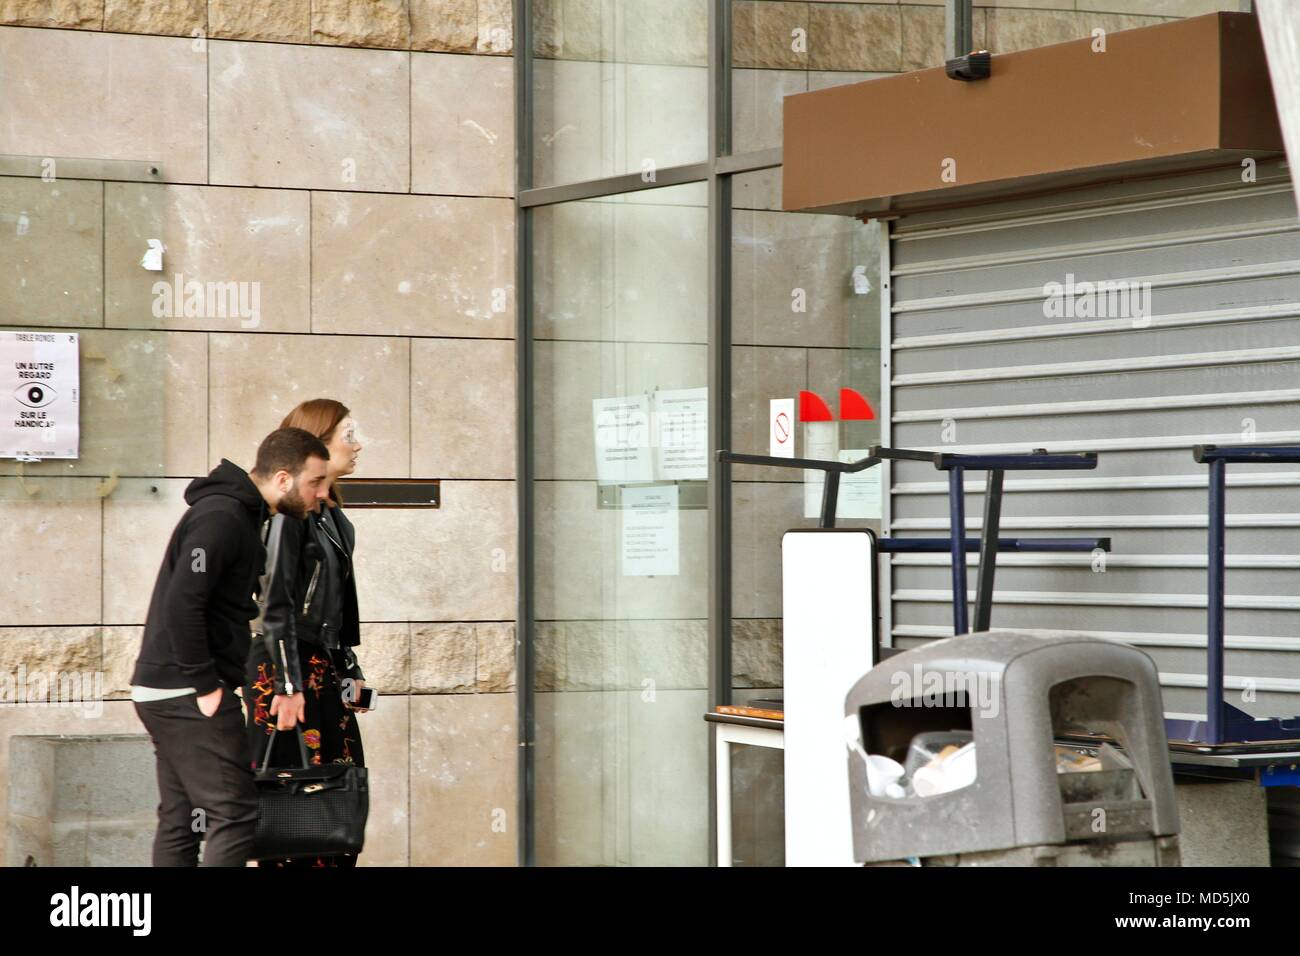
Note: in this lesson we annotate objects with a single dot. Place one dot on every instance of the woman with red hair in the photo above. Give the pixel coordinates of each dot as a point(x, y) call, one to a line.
point(327, 623)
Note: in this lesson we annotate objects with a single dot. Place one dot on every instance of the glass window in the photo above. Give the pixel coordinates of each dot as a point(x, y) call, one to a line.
point(621, 529)
point(805, 299)
point(619, 86)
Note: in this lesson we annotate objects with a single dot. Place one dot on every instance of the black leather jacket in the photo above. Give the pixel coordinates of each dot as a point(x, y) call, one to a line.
point(311, 595)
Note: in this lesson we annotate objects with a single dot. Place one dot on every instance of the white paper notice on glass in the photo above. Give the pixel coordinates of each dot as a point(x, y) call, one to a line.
point(682, 422)
point(40, 395)
point(650, 531)
point(622, 431)
point(821, 442)
point(859, 494)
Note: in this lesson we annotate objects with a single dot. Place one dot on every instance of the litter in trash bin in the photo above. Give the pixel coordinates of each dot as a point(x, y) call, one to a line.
point(952, 769)
point(925, 747)
point(1069, 760)
point(937, 762)
point(883, 773)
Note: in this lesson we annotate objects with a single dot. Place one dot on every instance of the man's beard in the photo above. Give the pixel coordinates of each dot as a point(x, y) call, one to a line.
point(294, 504)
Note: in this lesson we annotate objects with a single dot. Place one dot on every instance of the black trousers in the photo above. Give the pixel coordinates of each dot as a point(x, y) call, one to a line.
point(205, 781)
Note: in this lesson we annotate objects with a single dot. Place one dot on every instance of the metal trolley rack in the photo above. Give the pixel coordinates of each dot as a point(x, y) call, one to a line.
point(988, 544)
point(1224, 723)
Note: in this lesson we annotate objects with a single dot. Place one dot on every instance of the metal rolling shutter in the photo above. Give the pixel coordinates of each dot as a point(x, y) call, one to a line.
point(975, 365)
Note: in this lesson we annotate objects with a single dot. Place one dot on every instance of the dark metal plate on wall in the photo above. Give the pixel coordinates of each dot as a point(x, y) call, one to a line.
point(396, 493)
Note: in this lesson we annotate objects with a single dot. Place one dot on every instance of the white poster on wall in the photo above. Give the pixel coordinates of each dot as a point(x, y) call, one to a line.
point(40, 398)
point(651, 542)
point(682, 424)
point(622, 434)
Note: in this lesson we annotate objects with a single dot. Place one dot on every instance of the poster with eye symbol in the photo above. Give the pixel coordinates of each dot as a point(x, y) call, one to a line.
point(40, 395)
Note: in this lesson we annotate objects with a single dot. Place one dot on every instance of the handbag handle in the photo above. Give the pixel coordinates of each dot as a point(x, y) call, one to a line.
point(302, 748)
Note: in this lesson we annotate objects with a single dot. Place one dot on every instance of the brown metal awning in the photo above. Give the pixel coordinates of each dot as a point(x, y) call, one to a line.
point(1186, 94)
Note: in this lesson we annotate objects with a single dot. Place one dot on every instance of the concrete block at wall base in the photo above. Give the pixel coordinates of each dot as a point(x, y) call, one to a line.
point(1223, 822)
point(83, 800)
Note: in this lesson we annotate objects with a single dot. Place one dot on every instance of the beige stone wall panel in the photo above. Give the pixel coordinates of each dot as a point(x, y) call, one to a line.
point(464, 782)
point(419, 266)
point(453, 563)
point(51, 244)
point(257, 239)
point(106, 96)
point(310, 117)
point(462, 408)
point(462, 125)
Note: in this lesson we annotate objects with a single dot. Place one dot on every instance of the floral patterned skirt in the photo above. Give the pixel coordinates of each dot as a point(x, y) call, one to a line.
point(330, 730)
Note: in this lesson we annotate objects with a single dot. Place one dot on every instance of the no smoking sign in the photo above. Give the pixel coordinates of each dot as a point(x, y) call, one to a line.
point(781, 428)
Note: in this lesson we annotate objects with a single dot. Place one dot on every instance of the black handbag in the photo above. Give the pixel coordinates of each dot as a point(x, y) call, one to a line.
point(309, 810)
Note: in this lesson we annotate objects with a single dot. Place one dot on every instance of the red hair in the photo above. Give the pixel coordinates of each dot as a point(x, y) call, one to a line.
point(321, 417)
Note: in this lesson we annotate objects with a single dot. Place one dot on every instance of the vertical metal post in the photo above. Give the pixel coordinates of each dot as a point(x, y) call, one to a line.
point(958, 31)
point(957, 529)
point(830, 497)
point(988, 550)
point(525, 827)
point(1214, 709)
point(886, 582)
point(719, 356)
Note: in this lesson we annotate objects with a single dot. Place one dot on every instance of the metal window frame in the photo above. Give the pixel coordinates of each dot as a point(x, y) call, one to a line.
point(719, 358)
point(716, 171)
point(525, 850)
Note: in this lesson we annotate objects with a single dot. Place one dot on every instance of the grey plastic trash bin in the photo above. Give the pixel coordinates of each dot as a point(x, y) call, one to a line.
point(1017, 694)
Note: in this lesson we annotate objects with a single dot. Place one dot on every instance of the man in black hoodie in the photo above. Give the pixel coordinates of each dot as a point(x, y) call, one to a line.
point(196, 643)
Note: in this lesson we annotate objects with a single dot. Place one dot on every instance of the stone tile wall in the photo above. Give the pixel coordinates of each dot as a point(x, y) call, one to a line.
point(366, 195)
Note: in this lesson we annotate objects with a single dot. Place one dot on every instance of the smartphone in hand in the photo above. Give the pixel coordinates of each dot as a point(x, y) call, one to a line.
point(364, 699)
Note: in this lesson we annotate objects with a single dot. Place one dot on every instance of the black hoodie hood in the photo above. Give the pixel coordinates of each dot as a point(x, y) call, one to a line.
point(230, 480)
point(196, 631)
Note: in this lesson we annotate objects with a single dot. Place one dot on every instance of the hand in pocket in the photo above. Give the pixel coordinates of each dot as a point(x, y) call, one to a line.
point(208, 703)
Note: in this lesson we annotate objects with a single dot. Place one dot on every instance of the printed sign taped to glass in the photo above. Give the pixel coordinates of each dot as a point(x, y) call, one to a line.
point(39, 395)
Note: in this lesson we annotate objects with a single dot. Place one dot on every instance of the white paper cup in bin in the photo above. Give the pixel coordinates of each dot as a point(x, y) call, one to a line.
point(883, 773)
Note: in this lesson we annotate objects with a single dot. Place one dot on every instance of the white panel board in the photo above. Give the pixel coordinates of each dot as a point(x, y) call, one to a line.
point(828, 589)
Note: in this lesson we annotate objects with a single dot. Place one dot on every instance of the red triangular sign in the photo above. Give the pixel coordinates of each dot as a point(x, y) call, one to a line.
point(853, 407)
point(813, 409)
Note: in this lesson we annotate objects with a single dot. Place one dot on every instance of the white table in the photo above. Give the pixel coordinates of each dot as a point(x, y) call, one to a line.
point(728, 730)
